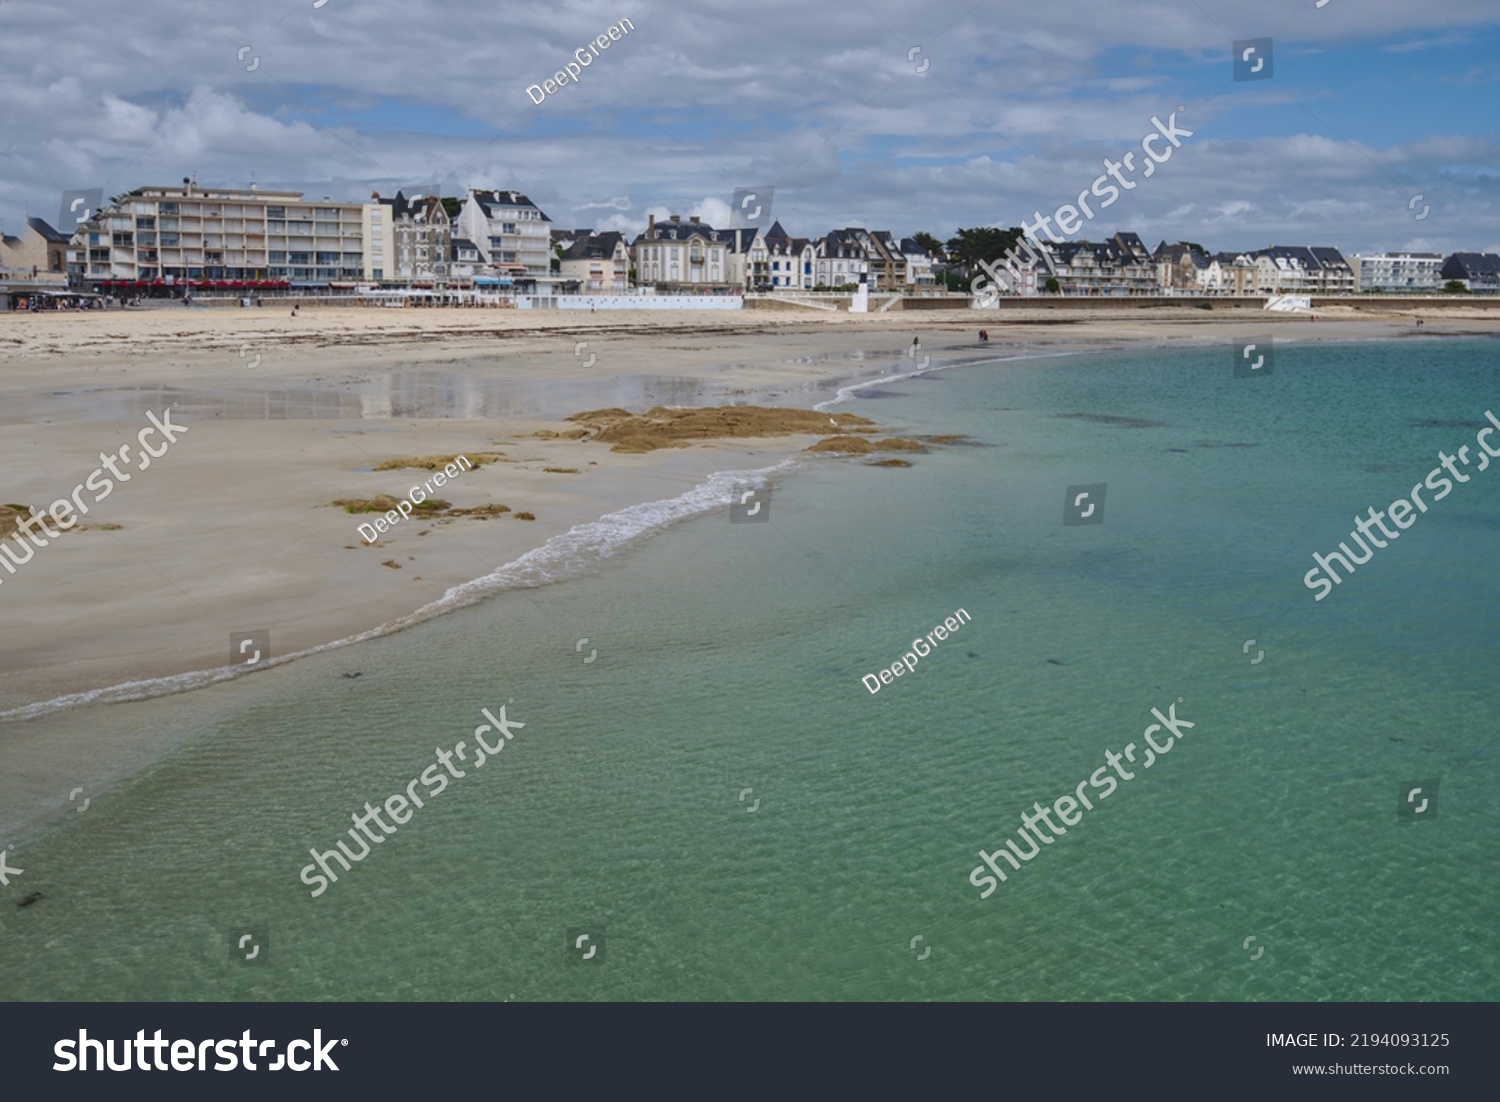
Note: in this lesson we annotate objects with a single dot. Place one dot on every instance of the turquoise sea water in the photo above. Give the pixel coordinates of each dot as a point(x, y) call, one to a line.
point(729, 657)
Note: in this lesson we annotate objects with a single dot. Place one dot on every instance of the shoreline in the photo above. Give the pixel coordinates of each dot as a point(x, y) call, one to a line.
point(98, 642)
point(620, 482)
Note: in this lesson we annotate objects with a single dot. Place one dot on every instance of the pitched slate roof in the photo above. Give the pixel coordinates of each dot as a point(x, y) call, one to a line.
point(594, 247)
point(1484, 267)
point(503, 200)
point(45, 229)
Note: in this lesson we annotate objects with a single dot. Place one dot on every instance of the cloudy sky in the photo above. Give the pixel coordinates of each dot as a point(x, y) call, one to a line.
point(891, 114)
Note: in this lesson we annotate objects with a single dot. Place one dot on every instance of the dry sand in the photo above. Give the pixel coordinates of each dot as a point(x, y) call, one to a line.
point(234, 527)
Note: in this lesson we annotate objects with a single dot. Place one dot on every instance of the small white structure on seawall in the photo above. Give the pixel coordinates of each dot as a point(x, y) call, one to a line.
point(1289, 304)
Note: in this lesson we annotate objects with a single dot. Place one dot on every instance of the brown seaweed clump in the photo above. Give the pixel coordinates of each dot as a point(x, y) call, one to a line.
point(661, 427)
point(859, 445)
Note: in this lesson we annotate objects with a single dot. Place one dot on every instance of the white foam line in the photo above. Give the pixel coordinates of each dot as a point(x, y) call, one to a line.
point(566, 555)
point(851, 391)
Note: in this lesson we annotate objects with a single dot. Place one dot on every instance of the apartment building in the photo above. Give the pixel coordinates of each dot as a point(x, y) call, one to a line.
point(512, 234)
point(220, 237)
point(1118, 266)
point(1396, 273)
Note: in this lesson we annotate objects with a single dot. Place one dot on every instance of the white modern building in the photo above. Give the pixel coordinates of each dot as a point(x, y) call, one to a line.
point(1397, 273)
point(512, 234)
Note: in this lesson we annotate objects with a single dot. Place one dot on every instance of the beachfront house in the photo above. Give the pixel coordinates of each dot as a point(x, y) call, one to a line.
point(598, 263)
point(681, 256)
point(1396, 273)
point(38, 250)
point(415, 236)
point(511, 232)
point(1479, 272)
point(840, 259)
point(919, 271)
point(789, 260)
point(1187, 268)
point(745, 255)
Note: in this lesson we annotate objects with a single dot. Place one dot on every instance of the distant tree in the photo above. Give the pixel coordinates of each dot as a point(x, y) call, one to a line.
point(452, 206)
point(988, 243)
point(933, 246)
point(1455, 287)
point(1053, 287)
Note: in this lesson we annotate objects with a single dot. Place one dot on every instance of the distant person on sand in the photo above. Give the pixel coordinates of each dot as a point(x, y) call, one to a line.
point(295, 309)
point(984, 336)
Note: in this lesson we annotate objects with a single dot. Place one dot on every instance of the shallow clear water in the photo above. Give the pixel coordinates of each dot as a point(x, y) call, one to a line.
point(729, 657)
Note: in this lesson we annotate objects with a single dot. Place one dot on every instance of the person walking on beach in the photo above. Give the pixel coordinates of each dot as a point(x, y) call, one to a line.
point(984, 336)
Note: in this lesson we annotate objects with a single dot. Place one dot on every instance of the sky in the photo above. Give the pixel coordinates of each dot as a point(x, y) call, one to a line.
point(888, 114)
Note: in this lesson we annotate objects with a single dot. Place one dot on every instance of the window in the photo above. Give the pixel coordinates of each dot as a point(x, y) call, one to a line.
point(278, 257)
point(166, 208)
point(169, 240)
point(328, 212)
point(300, 258)
point(327, 229)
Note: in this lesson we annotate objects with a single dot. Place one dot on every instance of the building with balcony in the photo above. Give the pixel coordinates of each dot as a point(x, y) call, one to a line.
point(1396, 273)
point(417, 236)
point(1120, 266)
point(191, 237)
point(512, 234)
